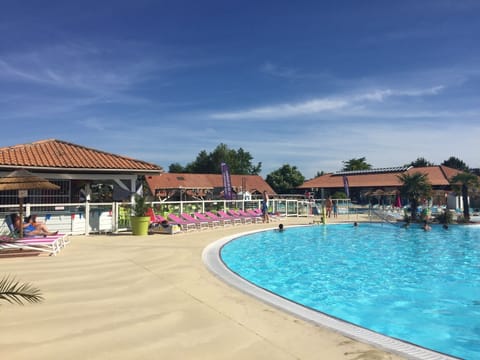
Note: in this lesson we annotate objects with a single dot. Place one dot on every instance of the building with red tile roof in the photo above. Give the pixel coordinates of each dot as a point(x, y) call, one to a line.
point(52, 155)
point(75, 167)
point(203, 186)
point(386, 180)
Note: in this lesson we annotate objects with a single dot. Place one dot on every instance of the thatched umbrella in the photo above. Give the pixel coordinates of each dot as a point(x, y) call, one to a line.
point(378, 192)
point(23, 180)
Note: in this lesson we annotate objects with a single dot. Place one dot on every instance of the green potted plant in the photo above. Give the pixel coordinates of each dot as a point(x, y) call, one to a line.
point(445, 218)
point(140, 221)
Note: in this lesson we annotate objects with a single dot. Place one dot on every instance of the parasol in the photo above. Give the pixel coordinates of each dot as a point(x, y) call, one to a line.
point(24, 180)
point(398, 201)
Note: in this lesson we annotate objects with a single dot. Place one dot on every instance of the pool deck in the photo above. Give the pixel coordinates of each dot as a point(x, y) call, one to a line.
point(152, 297)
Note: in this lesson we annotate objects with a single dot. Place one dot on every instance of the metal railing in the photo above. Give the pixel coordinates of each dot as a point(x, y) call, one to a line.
point(114, 217)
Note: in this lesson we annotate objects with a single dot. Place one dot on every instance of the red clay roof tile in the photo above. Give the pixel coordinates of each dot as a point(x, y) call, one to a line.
point(437, 175)
point(54, 153)
point(251, 183)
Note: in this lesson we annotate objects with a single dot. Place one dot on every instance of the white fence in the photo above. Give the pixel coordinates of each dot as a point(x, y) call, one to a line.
point(86, 218)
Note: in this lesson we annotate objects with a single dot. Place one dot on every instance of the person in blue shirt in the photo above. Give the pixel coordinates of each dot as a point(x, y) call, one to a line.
point(33, 228)
point(335, 209)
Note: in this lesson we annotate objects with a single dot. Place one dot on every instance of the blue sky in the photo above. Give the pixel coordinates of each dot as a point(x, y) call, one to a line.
point(305, 83)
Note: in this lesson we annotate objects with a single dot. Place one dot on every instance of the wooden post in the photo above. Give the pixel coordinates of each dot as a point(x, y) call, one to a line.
point(21, 195)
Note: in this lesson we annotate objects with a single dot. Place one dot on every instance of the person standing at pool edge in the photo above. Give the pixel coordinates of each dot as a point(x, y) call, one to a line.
point(328, 205)
point(265, 207)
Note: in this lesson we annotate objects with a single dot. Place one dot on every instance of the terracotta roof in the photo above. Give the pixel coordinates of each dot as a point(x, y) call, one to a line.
point(252, 183)
point(56, 154)
point(437, 175)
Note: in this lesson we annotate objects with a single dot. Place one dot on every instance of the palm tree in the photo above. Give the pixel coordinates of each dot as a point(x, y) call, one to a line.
point(463, 182)
point(356, 164)
point(415, 186)
point(14, 292)
point(421, 162)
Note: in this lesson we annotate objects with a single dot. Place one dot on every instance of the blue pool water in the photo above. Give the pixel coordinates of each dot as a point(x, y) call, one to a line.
point(421, 287)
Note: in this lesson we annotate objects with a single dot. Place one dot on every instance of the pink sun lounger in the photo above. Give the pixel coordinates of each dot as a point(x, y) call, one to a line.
point(256, 218)
point(184, 224)
point(211, 222)
point(223, 215)
point(223, 221)
point(202, 225)
point(49, 244)
point(236, 214)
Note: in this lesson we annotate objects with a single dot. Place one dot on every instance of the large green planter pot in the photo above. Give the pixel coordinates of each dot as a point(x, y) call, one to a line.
point(140, 225)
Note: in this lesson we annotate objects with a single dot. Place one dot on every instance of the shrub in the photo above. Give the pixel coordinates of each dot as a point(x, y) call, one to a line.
point(445, 217)
point(140, 207)
point(461, 219)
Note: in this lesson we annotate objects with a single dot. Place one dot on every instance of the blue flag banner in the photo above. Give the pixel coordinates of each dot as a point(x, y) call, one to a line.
point(227, 184)
point(345, 185)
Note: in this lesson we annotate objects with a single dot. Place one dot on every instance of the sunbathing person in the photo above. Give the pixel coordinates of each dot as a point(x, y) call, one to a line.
point(34, 221)
point(33, 228)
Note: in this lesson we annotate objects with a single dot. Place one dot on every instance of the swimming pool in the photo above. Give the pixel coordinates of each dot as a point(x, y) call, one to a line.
point(421, 287)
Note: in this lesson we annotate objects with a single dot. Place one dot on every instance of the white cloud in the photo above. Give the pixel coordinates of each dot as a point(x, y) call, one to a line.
point(383, 94)
point(279, 71)
point(11, 72)
point(320, 105)
point(85, 68)
point(285, 110)
point(94, 123)
point(290, 73)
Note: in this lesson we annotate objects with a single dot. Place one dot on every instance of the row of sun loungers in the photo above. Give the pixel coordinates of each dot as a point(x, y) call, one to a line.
point(12, 244)
point(207, 220)
point(49, 244)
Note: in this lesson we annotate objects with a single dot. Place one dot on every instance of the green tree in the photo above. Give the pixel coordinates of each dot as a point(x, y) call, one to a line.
point(176, 168)
point(455, 163)
point(319, 173)
point(285, 179)
point(421, 162)
point(356, 164)
point(14, 292)
point(415, 187)
point(339, 195)
point(203, 164)
point(462, 183)
point(239, 162)
point(220, 154)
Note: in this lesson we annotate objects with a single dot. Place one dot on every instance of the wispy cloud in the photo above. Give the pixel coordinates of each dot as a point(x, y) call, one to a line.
point(284, 110)
point(94, 123)
point(12, 72)
point(290, 73)
point(74, 68)
point(66, 77)
point(93, 68)
point(381, 95)
point(322, 105)
point(275, 70)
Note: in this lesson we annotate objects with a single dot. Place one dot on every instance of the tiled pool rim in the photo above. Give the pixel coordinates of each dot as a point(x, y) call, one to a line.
point(211, 258)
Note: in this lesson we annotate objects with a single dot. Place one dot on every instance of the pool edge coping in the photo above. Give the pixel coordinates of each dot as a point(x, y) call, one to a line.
point(211, 258)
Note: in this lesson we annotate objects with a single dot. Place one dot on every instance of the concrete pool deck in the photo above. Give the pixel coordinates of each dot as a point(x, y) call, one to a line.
point(130, 297)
